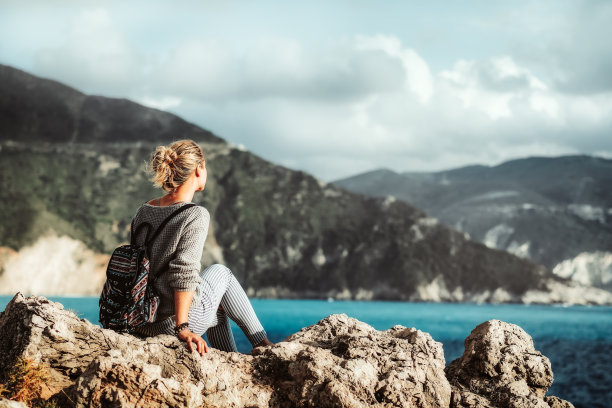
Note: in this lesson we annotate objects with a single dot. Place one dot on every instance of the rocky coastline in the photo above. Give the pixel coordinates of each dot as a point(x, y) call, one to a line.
point(338, 362)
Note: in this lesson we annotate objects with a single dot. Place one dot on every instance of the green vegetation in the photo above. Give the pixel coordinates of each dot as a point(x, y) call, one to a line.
point(68, 192)
point(277, 227)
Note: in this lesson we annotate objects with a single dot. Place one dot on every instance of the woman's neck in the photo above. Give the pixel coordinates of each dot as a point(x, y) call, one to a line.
point(182, 193)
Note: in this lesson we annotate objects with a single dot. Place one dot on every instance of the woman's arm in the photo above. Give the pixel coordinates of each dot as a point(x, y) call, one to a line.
point(182, 302)
point(184, 275)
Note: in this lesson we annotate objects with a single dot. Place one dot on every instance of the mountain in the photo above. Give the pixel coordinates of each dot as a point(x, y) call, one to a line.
point(71, 173)
point(555, 211)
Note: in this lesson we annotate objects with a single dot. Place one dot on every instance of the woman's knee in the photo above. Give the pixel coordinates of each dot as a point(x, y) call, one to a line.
point(223, 268)
point(218, 269)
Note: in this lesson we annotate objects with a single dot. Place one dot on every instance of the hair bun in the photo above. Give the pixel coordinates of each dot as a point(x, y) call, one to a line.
point(172, 165)
point(170, 155)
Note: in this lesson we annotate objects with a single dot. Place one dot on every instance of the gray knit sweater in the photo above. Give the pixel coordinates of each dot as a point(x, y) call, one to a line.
point(176, 254)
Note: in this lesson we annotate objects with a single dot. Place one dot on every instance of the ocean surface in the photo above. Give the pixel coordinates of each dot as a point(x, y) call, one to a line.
point(576, 339)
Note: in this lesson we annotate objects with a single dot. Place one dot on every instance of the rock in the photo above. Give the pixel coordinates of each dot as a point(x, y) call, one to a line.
point(501, 368)
point(343, 362)
point(554, 402)
point(338, 362)
point(91, 366)
point(115, 381)
point(567, 293)
point(6, 403)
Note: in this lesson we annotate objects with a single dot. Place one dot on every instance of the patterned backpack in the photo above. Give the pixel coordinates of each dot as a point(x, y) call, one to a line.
point(128, 299)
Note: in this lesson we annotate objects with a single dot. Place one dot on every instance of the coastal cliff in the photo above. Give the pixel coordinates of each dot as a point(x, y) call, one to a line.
point(555, 211)
point(338, 362)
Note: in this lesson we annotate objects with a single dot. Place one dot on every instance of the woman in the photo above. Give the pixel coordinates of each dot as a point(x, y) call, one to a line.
point(191, 303)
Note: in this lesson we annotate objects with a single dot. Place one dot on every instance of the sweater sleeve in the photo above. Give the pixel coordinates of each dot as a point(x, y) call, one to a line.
point(184, 269)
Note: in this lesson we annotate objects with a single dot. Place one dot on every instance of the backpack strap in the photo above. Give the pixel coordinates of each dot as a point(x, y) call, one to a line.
point(134, 233)
point(148, 240)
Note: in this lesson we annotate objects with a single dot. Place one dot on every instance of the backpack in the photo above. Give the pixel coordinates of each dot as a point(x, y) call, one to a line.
point(128, 299)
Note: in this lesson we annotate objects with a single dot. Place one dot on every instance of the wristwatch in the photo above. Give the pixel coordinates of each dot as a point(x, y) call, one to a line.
point(180, 328)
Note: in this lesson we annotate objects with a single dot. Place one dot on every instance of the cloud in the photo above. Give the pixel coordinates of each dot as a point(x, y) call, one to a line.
point(587, 51)
point(347, 104)
point(273, 67)
point(484, 111)
point(163, 103)
point(419, 79)
point(574, 47)
point(491, 85)
point(95, 56)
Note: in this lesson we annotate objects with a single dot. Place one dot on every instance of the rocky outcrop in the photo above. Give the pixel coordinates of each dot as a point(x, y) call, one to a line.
point(342, 362)
point(338, 362)
point(501, 368)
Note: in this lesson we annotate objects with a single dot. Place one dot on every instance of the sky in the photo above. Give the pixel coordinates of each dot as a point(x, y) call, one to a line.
point(338, 88)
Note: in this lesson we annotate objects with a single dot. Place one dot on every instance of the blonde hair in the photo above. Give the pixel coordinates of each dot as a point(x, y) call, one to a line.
point(172, 165)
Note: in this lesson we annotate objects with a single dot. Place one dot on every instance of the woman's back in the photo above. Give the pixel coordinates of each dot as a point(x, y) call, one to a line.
point(176, 252)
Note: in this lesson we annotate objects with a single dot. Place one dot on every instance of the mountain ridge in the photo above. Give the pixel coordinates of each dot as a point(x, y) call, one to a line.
point(57, 105)
point(283, 232)
point(556, 211)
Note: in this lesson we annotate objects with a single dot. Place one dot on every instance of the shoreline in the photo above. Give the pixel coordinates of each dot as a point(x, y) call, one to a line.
point(365, 301)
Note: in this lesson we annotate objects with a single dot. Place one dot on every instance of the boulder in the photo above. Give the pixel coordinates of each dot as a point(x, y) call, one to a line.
point(342, 362)
point(501, 368)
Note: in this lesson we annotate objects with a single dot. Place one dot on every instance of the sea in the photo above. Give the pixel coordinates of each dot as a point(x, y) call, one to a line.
point(576, 339)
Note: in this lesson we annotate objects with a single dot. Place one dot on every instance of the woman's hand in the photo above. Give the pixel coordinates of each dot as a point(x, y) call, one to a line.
point(191, 338)
point(182, 301)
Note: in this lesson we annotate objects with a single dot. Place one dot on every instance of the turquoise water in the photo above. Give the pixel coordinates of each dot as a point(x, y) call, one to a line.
point(577, 339)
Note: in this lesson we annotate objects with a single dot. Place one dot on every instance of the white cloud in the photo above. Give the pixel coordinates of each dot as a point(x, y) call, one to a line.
point(162, 103)
point(273, 67)
point(491, 85)
point(95, 56)
point(483, 111)
point(344, 104)
point(567, 41)
point(418, 77)
point(544, 102)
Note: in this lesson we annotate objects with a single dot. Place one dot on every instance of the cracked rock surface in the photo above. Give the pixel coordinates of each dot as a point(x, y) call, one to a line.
point(338, 362)
point(501, 368)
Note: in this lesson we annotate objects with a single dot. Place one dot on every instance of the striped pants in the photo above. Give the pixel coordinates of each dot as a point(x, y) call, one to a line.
point(220, 288)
